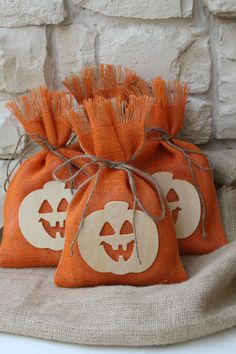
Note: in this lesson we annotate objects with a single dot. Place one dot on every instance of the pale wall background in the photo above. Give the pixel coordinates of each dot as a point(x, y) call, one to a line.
point(195, 40)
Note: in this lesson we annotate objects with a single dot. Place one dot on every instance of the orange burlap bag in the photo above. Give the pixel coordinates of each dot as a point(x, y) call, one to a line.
point(110, 238)
point(35, 205)
point(106, 80)
point(183, 172)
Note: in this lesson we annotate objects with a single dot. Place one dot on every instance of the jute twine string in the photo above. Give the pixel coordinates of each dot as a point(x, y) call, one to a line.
point(40, 141)
point(130, 171)
point(191, 164)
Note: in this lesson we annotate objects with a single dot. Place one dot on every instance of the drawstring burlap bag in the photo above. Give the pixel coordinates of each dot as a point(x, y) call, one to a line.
point(183, 172)
point(180, 168)
point(119, 229)
point(35, 205)
point(125, 315)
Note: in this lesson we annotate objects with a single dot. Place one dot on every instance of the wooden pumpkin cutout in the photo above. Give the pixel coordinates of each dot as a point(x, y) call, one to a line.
point(42, 216)
point(185, 208)
point(117, 252)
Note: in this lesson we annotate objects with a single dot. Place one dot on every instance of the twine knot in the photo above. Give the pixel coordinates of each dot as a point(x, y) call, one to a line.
point(115, 165)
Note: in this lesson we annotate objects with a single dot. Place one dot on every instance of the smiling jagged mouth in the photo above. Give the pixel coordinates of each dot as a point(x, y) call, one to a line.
point(120, 252)
point(53, 231)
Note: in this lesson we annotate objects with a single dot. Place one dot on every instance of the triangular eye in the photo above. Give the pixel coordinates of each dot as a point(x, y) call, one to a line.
point(107, 230)
point(45, 207)
point(127, 228)
point(63, 205)
point(172, 196)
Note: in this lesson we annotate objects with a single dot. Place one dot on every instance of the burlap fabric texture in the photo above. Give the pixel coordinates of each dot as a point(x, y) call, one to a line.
point(124, 315)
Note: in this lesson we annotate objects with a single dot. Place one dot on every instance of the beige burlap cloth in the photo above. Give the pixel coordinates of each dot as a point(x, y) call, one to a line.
point(122, 315)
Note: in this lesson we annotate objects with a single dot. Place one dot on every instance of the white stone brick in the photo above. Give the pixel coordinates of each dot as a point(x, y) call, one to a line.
point(10, 131)
point(149, 50)
point(222, 8)
point(226, 122)
point(196, 65)
point(75, 48)
point(145, 9)
point(15, 13)
point(198, 121)
point(22, 58)
point(77, 2)
point(187, 8)
point(171, 52)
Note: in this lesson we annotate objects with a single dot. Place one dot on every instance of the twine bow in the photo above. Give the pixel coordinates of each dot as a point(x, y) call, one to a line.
point(191, 163)
point(116, 165)
point(39, 140)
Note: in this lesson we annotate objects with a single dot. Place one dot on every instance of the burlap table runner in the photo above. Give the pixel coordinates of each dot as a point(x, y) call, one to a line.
point(122, 315)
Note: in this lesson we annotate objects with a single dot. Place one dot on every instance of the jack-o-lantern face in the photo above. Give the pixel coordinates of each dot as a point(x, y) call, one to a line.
point(42, 216)
point(107, 242)
point(183, 201)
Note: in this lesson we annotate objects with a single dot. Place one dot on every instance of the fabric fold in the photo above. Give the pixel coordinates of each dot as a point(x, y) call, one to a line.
point(123, 315)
